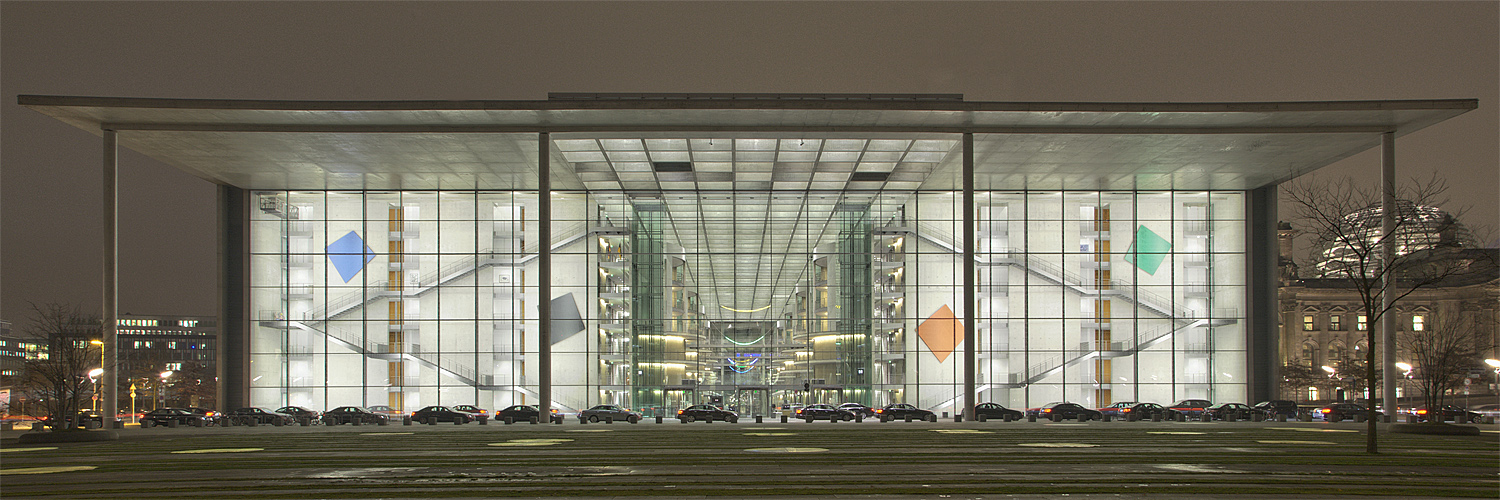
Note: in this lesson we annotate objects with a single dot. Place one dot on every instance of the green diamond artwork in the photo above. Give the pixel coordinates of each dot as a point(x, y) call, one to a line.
point(1148, 250)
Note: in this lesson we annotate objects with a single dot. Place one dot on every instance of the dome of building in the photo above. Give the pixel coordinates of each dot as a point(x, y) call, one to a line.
point(1418, 228)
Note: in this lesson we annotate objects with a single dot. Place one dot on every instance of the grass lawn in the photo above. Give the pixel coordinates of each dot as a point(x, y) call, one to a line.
point(746, 459)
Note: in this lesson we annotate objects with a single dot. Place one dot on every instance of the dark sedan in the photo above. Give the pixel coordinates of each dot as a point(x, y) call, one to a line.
point(1339, 411)
point(202, 411)
point(165, 417)
point(1223, 411)
point(823, 412)
point(858, 409)
point(440, 414)
point(1446, 413)
point(993, 411)
point(387, 411)
point(706, 412)
point(352, 414)
point(472, 410)
point(600, 413)
point(298, 413)
point(84, 417)
point(260, 416)
point(1276, 407)
point(1193, 408)
point(1145, 411)
point(900, 411)
point(524, 413)
point(1064, 411)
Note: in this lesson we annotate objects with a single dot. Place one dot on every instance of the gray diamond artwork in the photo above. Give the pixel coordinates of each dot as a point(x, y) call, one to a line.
point(566, 320)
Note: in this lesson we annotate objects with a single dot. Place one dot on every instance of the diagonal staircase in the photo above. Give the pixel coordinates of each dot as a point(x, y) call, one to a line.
point(315, 321)
point(1182, 318)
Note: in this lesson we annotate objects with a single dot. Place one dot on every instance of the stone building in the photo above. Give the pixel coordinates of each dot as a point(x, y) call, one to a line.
point(1324, 327)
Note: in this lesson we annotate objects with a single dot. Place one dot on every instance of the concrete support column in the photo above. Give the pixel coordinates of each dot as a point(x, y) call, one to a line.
point(544, 274)
point(111, 313)
point(970, 304)
point(1388, 254)
point(1263, 359)
point(232, 350)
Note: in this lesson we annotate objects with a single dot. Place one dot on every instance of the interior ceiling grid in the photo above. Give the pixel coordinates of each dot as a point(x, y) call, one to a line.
point(747, 193)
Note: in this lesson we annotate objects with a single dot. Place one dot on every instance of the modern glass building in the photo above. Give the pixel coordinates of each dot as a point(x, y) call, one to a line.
point(753, 251)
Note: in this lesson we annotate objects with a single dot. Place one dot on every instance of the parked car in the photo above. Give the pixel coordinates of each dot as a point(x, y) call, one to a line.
point(260, 416)
point(1114, 410)
point(211, 415)
point(600, 413)
point(471, 410)
point(1192, 408)
point(524, 413)
point(387, 411)
point(84, 416)
point(993, 411)
point(1489, 410)
point(899, 411)
point(790, 410)
point(441, 413)
point(705, 412)
point(298, 413)
point(1221, 411)
point(165, 417)
point(1276, 407)
point(1145, 411)
point(1448, 412)
point(858, 410)
point(1064, 411)
point(352, 414)
point(1341, 411)
point(824, 412)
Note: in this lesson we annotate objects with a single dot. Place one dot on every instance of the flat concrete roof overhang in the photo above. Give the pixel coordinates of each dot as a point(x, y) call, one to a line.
point(257, 144)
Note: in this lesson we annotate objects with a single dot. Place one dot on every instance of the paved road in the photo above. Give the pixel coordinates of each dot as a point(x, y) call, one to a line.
point(772, 460)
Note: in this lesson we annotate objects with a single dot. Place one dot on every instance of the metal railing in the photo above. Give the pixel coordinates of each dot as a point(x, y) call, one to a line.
point(1056, 274)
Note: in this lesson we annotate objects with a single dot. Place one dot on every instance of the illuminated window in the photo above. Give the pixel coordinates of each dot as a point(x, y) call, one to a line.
point(1362, 324)
point(188, 323)
point(1336, 322)
point(1418, 323)
point(1307, 323)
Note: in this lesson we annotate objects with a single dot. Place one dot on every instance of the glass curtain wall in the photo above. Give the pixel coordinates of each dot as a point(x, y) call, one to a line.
point(401, 299)
point(771, 277)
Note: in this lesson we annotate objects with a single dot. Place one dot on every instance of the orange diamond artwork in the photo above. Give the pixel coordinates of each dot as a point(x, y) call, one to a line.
point(942, 332)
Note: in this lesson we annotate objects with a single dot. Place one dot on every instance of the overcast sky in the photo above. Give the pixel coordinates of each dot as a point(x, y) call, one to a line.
point(50, 215)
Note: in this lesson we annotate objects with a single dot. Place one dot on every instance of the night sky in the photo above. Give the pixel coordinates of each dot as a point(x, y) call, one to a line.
point(50, 180)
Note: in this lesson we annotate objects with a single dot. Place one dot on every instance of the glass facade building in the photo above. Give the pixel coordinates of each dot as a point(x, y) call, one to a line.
point(751, 298)
point(746, 250)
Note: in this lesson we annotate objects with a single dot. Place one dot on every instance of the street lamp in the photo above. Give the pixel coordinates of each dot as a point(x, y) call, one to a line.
point(1406, 369)
point(1495, 363)
point(1332, 374)
point(94, 377)
point(163, 386)
point(97, 374)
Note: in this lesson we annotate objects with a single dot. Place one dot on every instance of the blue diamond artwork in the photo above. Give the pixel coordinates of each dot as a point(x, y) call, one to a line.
point(349, 255)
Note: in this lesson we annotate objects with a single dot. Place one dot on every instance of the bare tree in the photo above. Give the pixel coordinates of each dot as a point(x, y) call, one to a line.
point(195, 385)
point(1296, 376)
point(59, 378)
point(1342, 223)
point(1442, 354)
